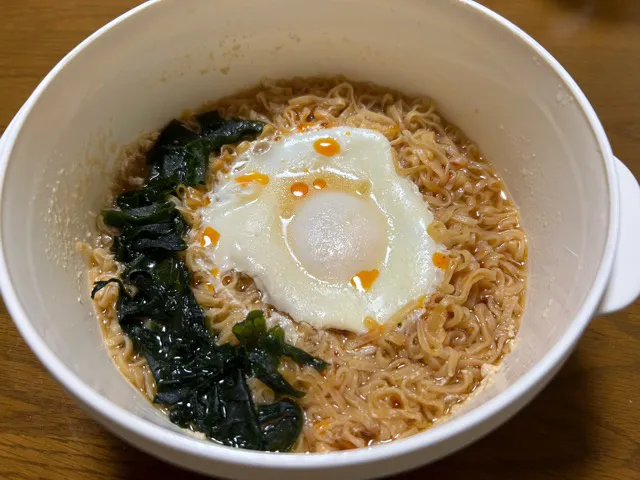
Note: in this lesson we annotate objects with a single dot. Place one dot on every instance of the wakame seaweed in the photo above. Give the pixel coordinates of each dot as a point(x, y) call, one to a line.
point(202, 384)
point(263, 349)
point(181, 156)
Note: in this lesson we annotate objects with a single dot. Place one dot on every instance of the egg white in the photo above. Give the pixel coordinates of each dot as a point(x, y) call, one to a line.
point(384, 227)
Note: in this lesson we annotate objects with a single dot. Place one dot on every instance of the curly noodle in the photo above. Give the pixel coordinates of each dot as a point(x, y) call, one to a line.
point(398, 379)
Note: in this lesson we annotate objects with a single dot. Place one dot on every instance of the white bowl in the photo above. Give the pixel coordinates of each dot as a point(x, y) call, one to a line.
point(491, 79)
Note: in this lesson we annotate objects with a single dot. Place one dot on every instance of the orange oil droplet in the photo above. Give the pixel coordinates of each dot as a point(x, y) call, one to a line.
point(321, 425)
point(371, 324)
point(253, 177)
point(364, 279)
point(209, 237)
point(303, 127)
point(210, 287)
point(319, 183)
point(440, 260)
point(214, 271)
point(299, 189)
point(227, 280)
point(207, 201)
point(326, 146)
point(421, 301)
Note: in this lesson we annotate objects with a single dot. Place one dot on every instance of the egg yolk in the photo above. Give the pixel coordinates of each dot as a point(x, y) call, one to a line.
point(326, 146)
point(253, 177)
point(319, 184)
point(209, 237)
point(299, 189)
point(440, 260)
point(364, 279)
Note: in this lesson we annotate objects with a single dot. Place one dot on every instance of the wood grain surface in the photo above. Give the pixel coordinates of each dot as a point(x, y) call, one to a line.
point(585, 425)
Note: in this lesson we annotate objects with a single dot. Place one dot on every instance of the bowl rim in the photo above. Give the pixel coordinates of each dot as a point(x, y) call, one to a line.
point(516, 393)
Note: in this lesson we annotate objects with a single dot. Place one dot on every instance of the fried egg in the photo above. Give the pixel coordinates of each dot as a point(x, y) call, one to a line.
point(327, 229)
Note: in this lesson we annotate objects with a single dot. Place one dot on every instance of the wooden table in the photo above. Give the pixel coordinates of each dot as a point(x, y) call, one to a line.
point(585, 425)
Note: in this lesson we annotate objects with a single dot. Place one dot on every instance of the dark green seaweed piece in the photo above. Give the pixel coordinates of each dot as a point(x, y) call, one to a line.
point(201, 383)
point(145, 196)
point(211, 122)
point(263, 350)
point(154, 213)
point(182, 362)
point(280, 423)
point(240, 427)
point(224, 412)
point(181, 156)
point(252, 333)
point(276, 344)
point(263, 364)
point(163, 293)
point(151, 239)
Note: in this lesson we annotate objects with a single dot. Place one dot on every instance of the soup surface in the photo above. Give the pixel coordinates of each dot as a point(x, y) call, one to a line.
point(371, 233)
